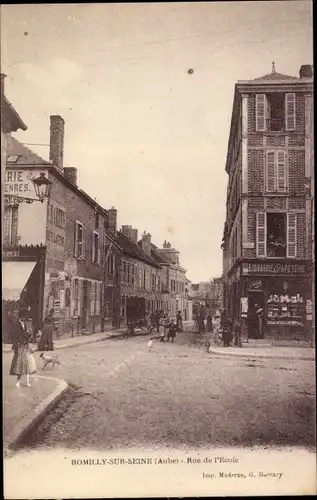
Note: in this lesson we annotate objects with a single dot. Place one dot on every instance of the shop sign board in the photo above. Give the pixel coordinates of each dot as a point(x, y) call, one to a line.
point(244, 305)
point(273, 268)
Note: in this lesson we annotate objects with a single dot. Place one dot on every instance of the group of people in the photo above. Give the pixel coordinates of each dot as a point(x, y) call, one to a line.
point(166, 326)
point(23, 362)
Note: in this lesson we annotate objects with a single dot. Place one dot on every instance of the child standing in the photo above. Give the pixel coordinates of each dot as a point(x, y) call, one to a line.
point(172, 331)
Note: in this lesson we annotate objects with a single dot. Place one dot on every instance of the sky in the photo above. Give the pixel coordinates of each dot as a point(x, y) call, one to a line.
point(148, 137)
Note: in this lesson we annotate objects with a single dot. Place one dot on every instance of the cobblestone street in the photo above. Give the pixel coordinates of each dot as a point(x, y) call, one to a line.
point(176, 395)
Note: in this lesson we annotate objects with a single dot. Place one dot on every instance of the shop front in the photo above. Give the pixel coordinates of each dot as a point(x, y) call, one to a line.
point(23, 276)
point(277, 299)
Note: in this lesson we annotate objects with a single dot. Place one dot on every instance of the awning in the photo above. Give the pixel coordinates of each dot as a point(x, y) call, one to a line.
point(14, 278)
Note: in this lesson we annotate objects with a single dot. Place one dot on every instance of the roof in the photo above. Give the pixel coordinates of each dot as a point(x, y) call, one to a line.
point(275, 76)
point(27, 158)
point(132, 249)
point(157, 256)
point(25, 155)
point(10, 118)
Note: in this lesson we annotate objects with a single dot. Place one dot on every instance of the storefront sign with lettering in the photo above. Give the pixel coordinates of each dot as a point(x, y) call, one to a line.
point(273, 268)
point(19, 182)
point(7, 254)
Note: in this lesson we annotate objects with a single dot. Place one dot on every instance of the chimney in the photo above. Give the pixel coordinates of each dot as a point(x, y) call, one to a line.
point(3, 76)
point(57, 141)
point(112, 220)
point(127, 231)
point(306, 71)
point(71, 174)
point(134, 235)
point(166, 244)
point(146, 243)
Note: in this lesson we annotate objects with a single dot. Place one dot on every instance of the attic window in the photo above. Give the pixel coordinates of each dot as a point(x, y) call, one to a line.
point(13, 158)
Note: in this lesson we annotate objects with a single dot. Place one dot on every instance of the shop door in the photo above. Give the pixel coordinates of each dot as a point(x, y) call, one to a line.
point(255, 300)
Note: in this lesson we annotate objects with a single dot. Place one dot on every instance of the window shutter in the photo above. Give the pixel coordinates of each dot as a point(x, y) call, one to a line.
point(291, 235)
point(98, 251)
point(270, 171)
point(260, 112)
point(76, 240)
point(93, 248)
point(290, 111)
point(281, 171)
point(83, 245)
point(261, 234)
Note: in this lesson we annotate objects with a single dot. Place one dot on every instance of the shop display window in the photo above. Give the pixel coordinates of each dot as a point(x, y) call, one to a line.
point(285, 305)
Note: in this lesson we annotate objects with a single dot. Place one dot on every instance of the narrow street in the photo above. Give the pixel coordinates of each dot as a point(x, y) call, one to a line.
point(126, 395)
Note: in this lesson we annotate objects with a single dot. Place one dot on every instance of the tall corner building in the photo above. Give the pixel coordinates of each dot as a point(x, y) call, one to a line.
point(267, 240)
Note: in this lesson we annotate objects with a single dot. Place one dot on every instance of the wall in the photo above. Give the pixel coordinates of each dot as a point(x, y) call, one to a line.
point(64, 271)
point(31, 217)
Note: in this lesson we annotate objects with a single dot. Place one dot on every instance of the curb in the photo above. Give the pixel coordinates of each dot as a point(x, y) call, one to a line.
point(88, 341)
point(78, 344)
point(252, 354)
point(35, 416)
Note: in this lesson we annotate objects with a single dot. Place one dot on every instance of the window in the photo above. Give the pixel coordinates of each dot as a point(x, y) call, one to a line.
point(153, 282)
point(132, 274)
point(10, 226)
point(96, 220)
point(128, 272)
point(95, 248)
point(276, 171)
point(79, 240)
point(275, 112)
point(276, 234)
point(59, 218)
point(111, 264)
point(13, 158)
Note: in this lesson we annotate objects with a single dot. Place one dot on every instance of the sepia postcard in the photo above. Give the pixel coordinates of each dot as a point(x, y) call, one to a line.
point(158, 255)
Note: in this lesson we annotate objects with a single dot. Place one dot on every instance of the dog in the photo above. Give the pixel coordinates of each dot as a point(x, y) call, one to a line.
point(49, 360)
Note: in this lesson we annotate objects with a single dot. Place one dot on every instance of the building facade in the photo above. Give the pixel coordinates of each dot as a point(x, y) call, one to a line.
point(139, 272)
point(173, 281)
point(54, 251)
point(267, 234)
point(10, 122)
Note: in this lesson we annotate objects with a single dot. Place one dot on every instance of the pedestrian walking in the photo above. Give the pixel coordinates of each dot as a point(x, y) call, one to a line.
point(162, 328)
point(227, 333)
point(172, 331)
point(23, 362)
point(260, 316)
point(46, 341)
point(179, 322)
point(166, 326)
point(210, 326)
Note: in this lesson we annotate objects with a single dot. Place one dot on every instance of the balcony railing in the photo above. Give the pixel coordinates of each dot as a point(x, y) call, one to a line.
point(275, 124)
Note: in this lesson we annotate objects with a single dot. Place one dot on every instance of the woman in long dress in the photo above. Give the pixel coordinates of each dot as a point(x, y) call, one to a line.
point(46, 341)
point(23, 362)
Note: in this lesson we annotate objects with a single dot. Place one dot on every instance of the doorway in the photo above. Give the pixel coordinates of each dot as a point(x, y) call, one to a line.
point(255, 300)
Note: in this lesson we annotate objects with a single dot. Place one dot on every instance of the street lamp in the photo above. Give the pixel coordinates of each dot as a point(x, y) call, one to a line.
point(42, 187)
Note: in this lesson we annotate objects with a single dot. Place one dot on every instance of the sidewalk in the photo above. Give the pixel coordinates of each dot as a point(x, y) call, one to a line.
point(78, 340)
point(24, 407)
point(274, 352)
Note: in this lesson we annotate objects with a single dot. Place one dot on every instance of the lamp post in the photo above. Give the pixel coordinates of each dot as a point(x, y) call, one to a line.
point(42, 188)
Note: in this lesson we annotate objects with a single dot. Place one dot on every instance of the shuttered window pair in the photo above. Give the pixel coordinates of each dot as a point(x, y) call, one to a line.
point(276, 171)
point(263, 112)
point(261, 234)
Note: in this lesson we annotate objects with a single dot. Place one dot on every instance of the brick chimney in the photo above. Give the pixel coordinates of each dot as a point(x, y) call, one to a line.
point(71, 174)
point(126, 230)
point(57, 130)
point(306, 71)
point(112, 220)
point(146, 243)
point(134, 235)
